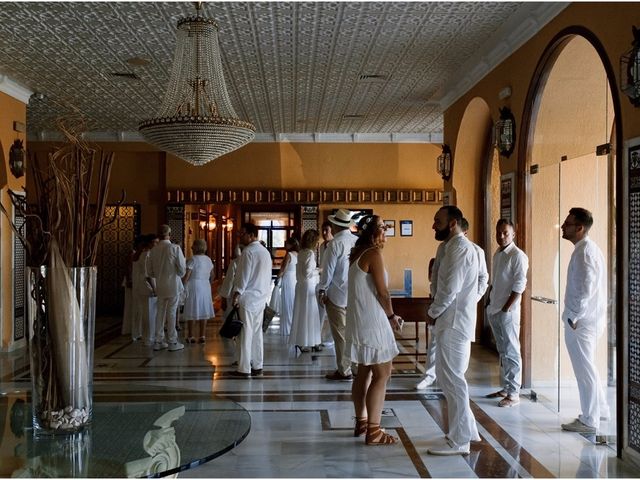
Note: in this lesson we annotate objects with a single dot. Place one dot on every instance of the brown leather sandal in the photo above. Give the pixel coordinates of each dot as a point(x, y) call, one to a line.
point(361, 426)
point(377, 436)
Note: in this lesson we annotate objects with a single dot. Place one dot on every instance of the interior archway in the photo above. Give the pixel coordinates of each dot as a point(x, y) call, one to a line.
point(472, 152)
point(572, 114)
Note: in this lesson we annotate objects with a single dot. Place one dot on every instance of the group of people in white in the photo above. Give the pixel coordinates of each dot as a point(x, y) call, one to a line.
point(458, 274)
point(160, 279)
point(348, 285)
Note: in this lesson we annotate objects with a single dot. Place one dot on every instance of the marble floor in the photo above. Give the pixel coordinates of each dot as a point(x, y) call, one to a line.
point(301, 424)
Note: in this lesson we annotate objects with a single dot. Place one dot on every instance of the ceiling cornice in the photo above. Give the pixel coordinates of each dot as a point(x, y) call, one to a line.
point(55, 136)
point(14, 89)
point(528, 20)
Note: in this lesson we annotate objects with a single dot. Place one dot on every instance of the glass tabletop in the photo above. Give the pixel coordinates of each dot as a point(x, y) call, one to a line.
point(125, 439)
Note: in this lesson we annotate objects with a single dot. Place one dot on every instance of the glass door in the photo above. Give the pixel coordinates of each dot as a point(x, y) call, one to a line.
point(582, 181)
point(544, 263)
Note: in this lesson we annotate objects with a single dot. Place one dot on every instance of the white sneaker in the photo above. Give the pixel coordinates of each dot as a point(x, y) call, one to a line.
point(450, 449)
point(160, 345)
point(425, 383)
point(174, 347)
point(578, 426)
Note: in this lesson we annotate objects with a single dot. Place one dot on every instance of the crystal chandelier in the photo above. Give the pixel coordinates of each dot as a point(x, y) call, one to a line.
point(196, 121)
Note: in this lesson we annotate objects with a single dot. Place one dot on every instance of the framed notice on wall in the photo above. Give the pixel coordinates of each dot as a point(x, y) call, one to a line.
point(508, 196)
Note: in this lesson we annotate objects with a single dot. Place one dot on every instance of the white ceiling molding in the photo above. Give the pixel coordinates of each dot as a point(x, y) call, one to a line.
point(54, 136)
point(530, 18)
point(14, 89)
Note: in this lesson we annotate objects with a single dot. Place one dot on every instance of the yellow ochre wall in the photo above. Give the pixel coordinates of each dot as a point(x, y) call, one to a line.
point(146, 176)
point(10, 110)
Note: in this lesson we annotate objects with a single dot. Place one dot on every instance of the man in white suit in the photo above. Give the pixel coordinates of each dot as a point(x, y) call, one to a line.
point(584, 317)
point(167, 265)
point(251, 290)
point(453, 314)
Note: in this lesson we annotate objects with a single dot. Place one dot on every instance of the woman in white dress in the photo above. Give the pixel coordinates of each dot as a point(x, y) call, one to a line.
point(287, 278)
point(198, 306)
point(143, 288)
point(369, 331)
point(305, 329)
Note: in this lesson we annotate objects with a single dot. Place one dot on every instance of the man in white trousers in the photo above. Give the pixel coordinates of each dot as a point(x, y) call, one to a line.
point(430, 376)
point(251, 290)
point(510, 265)
point(584, 318)
point(332, 288)
point(167, 265)
point(453, 314)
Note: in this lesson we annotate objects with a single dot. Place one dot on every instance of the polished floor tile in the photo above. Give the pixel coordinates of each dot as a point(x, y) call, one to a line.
point(302, 424)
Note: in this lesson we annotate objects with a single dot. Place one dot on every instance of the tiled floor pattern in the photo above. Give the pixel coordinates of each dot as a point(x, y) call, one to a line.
point(302, 424)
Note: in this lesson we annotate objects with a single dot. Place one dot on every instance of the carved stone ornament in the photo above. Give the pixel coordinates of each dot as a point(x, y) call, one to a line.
point(16, 159)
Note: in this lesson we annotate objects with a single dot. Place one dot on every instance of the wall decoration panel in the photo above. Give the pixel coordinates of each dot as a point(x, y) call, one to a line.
point(633, 340)
point(19, 281)
point(114, 249)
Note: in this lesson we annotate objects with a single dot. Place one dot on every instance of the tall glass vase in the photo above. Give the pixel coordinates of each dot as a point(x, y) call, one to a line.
point(61, 311)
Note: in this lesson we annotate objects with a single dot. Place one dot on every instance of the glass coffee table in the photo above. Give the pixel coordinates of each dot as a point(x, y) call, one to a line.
point(132, 438)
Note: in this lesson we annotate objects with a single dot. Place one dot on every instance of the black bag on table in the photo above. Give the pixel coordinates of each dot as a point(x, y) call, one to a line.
point(232, 324)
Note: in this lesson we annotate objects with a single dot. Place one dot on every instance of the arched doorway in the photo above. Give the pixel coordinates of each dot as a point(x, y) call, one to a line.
point(568, 132)
point(472, 152)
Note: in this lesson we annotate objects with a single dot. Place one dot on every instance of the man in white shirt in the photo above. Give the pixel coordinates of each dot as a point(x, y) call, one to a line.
point(251, 289)
point(430, 376)
point(584, 317)
point(167, 265)
point(453, 314)
point(332, 289)
point(327, 236)
point(510, 265)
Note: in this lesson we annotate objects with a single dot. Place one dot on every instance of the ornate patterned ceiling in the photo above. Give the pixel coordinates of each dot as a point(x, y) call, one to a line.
point(291, 67)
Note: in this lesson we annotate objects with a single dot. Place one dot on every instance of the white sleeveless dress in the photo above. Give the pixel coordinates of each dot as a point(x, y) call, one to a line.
point(305, 330)
point(198, 304)
point(288, 292)
point(369, 336)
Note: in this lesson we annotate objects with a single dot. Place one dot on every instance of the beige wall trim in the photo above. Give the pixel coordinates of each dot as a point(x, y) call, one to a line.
point(343, 196)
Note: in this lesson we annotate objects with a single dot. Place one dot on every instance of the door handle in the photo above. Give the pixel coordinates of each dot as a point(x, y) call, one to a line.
point(549, 301)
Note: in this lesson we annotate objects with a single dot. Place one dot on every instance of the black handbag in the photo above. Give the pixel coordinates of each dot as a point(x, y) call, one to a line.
point(232, 325)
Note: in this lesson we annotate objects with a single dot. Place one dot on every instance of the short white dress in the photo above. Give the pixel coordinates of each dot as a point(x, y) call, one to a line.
point(369, 336)
point(198, 305)
point(305, 329)
point(288, 292)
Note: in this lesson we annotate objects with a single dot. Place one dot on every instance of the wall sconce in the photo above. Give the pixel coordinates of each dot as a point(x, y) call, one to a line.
point(444, 163)
point(16, 159)
point(630, 70)
point(228, 225)
point(505, 132)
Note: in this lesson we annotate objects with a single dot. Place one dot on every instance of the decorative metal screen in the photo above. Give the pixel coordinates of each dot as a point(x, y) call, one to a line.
point(634, 298)
point(175, 220)
point(114, 250)
point(309, 217)
point(19, 284)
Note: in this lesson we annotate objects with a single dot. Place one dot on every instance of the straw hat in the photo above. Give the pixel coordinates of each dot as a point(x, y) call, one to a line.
point(342, 218)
